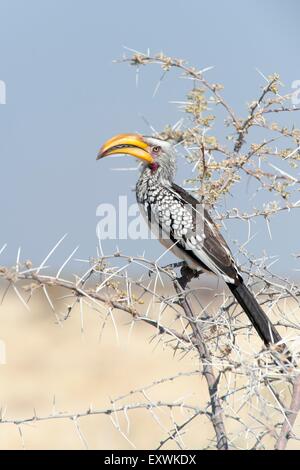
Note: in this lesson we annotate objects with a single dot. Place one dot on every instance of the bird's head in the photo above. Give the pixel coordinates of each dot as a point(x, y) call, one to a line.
point(157, 154)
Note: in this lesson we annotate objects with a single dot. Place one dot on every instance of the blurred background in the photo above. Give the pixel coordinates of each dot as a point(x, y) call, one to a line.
point(64, 97)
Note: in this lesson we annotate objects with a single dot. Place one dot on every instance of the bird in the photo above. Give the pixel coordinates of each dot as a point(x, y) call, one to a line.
point(183, 224)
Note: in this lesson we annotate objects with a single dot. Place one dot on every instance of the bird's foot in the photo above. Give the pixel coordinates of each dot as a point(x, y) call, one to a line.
point(179, 264)
point(187, 274)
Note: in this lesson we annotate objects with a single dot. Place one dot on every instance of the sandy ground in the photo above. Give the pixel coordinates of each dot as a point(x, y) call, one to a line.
point(45, 360)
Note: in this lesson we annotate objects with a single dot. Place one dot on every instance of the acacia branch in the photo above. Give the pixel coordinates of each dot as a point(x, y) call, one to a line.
point(205, 357)
point(286, 432)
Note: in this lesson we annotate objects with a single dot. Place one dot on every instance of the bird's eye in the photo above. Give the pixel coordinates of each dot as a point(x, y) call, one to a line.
point(156, 149)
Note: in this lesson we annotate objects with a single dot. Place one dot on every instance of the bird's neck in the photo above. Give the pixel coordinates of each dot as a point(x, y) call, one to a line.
point(155, 177)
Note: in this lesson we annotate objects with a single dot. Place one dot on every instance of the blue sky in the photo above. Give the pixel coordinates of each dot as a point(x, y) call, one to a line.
point(65, 97)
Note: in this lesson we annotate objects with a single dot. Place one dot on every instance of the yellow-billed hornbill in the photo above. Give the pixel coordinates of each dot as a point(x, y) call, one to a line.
point(183, 224)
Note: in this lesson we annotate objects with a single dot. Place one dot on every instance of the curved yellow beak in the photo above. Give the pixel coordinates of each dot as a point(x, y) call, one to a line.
point(129, 144)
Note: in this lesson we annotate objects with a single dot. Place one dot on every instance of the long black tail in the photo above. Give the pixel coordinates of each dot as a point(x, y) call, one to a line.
point(255, 313)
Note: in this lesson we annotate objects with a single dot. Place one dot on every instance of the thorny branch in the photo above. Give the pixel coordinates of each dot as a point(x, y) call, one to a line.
point(205, 358)
point(291, 415)
point(212, 339)
point(195, 134)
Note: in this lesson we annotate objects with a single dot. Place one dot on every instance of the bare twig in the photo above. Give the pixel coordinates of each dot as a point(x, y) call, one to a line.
point(286, 432)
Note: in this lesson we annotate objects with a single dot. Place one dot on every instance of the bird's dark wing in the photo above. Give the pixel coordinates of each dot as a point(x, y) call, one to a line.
point(211, 247)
